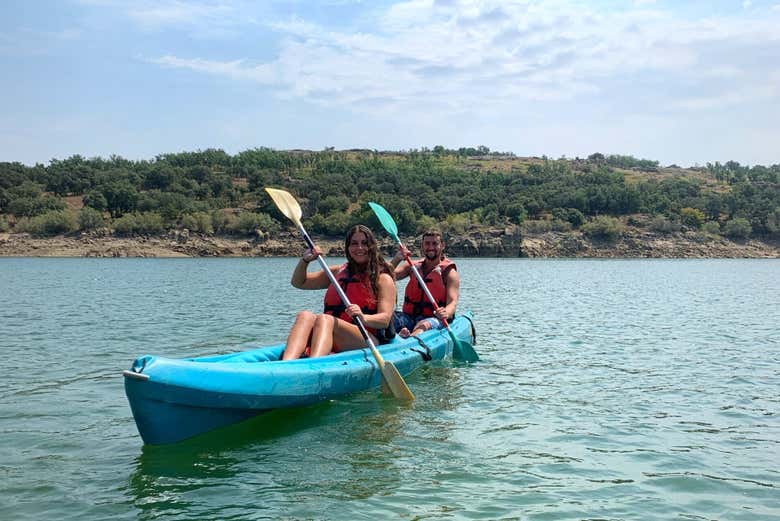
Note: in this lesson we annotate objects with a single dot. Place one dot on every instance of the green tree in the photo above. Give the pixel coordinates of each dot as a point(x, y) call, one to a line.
point(333, 203)
point(570, 215)
point(692, 217)
point(121, 197)
point(29, 200)
point(95, 199)
point(711, 227)
point(90, 219)
point(738, 228)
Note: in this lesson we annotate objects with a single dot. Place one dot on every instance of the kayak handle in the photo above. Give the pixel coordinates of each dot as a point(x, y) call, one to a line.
point(133, 374)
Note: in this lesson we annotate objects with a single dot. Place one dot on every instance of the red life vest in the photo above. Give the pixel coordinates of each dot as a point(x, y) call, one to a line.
point(416, 303)
point(359, 291)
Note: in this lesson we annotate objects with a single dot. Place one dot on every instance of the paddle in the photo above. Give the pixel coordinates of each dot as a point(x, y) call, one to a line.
point(460, 350)
point(391, 377)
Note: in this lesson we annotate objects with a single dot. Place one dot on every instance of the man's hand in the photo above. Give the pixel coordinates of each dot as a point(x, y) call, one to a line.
point(441, 314)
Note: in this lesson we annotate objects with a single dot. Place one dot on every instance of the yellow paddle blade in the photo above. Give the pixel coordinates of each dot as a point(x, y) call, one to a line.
point(286, 204)
point(393, 379)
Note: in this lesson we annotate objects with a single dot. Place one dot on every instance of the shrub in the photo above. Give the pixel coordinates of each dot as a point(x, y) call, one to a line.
point(49, 223)
point(150, 223)
point(248, 222)
point(333, 203)
point(559, 225)
point(200, 222)
point(773, 223)
point(661, 224)
point(571, 215)
point(125, 225)
point(4, 226)
point(456, 224)
point(536, 226)
point(712, 227)
point(90, 219)
point(171, 205)
point(738, 228)
point(22, 225)
point(516, 213)
point(334, 224)
point(692, 217)
point(221, 221)
point(425, 223)
point(147, 223)
point(32, 206)
point(604, 227)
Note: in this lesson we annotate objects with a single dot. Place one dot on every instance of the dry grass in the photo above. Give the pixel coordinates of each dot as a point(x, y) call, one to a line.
point(74, 202)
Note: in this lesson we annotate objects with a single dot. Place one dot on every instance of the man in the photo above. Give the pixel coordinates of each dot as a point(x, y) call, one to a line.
point(441, 277)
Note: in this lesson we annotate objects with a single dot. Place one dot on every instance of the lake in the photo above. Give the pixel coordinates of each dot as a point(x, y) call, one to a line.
point(607, 389)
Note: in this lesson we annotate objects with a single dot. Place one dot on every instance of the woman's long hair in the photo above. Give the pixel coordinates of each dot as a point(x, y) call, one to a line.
point(376, 262)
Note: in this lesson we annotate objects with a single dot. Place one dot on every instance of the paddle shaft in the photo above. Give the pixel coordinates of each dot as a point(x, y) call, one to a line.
point(361, 326)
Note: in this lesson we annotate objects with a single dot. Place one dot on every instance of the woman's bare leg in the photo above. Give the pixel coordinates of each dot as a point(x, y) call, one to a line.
point(299, 335)
point(347, 336)
point(322, 335)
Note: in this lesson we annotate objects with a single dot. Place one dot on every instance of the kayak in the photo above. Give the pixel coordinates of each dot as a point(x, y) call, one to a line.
point(175, 399)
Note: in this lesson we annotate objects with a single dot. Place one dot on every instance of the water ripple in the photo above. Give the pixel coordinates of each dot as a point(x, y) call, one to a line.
point(623, 390)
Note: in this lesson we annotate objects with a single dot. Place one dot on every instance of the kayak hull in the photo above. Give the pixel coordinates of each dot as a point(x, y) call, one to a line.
point(175, 399)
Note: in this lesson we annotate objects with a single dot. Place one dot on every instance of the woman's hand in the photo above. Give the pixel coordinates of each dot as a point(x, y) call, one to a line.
point(353, 310)
point(302, 279)
point(311, 254)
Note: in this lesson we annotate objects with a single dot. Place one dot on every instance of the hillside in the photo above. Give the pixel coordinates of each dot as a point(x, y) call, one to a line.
point(597, 206)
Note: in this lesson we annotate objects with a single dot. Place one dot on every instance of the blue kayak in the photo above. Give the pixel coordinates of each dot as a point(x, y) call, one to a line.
point(175, 399)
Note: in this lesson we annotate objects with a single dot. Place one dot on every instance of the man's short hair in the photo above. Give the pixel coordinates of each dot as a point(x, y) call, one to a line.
point(433, 232)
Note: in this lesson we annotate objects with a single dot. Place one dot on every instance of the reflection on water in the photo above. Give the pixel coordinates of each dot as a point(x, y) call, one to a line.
point(339, 450)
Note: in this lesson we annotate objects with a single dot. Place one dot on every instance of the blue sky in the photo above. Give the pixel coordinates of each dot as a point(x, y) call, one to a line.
point(679, 82)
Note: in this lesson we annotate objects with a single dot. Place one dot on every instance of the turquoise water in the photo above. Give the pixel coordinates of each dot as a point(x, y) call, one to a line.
point(636, 389)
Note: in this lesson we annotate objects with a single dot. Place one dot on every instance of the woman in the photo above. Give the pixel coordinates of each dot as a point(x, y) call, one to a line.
point(368, 281)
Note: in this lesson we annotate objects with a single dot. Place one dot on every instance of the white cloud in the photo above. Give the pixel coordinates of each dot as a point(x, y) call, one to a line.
point(233, 69)
point(488, 54)
point(203, 18)
point(170, 12)
point(724, 99)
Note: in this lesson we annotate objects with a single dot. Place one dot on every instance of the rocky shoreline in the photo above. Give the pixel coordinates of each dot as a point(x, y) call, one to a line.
point(499, 242)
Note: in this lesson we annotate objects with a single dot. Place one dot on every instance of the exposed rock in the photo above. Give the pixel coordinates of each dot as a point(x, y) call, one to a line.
point(506, 241)
point(494, 242)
